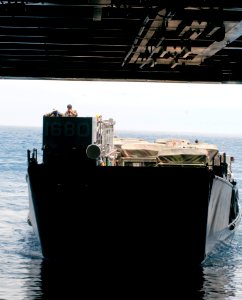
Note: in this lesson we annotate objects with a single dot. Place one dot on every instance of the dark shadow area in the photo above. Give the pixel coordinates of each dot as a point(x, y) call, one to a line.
point(123, 278)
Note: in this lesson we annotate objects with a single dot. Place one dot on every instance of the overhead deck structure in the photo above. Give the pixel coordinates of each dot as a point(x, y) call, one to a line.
point(135, 40)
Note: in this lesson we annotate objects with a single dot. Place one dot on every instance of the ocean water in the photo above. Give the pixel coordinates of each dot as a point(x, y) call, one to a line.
point(25, 275)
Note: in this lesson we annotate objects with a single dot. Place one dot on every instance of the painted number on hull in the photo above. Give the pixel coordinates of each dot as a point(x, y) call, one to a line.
point(67, 129)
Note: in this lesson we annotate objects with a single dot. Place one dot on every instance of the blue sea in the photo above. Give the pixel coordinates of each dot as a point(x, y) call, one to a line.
point(25, 275)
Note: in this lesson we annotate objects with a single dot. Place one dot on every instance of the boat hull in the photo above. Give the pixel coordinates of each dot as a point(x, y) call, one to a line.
point(120, 213)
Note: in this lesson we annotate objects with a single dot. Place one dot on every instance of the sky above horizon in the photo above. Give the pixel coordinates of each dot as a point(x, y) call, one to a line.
point(136, 106)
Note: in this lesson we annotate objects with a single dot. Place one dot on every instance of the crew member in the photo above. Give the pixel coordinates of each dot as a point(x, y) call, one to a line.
point(70, 112)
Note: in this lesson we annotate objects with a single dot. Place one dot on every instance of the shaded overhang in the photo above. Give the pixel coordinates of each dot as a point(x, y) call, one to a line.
point(135, 40)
